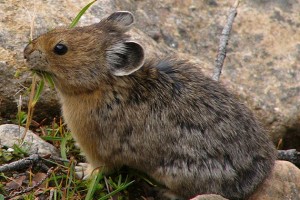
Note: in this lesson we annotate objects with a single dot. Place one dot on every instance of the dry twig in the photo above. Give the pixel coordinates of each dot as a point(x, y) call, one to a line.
point(21, 164)
point(290, 155)
point(32, 160)
point(224, 41)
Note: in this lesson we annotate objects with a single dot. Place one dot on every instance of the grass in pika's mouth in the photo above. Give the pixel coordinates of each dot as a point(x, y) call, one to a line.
point(35, 95)
point(45, 76)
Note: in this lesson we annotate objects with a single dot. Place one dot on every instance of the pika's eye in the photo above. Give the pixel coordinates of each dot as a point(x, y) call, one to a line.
point(60, 49)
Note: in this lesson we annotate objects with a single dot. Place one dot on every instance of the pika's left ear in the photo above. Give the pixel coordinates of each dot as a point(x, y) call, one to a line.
point(125, 58)
point(123, 19)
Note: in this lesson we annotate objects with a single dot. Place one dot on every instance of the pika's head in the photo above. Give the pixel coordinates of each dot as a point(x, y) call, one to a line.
point(86, 56)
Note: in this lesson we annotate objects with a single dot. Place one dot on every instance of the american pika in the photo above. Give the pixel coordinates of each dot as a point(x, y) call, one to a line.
point(163, 117)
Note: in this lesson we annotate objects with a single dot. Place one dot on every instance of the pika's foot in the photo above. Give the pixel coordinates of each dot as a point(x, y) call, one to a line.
point(83, 171)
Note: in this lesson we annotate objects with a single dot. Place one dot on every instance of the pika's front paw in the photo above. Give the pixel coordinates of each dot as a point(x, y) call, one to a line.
point(83, 171)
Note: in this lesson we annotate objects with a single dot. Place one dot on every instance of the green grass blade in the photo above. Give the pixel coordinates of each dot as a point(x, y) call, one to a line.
point(63, 148)
point(51, 138)
point(18, 149)
point(38, 92)
point(49, 80)
point(77, 18)
point(93, 186)
point(70, 190)
point(120, 179)
point(122, 187)
point(57, 185)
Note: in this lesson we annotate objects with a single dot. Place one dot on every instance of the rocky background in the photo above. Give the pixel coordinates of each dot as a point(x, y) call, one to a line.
point(262, 65)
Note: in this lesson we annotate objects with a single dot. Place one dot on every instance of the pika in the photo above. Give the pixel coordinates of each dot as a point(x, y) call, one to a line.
point(162, 117)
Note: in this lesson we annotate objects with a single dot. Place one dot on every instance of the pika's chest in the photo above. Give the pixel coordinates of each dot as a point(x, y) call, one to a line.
point(93, 121)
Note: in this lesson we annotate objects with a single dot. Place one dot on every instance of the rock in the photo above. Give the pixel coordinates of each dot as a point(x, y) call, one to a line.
point(282, 184)
point(209, 197)
point(262, 64)
point(10, 134)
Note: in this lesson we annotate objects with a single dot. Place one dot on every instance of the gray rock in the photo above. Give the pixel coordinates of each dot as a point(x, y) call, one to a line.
point(282, 184)
point(209, 197)
point(10, 134)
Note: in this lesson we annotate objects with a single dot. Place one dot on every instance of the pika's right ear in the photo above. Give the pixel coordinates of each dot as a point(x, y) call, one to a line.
point(125, 58)
point(123, 19)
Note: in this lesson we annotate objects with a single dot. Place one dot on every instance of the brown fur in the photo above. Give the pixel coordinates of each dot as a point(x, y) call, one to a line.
point(161, 117)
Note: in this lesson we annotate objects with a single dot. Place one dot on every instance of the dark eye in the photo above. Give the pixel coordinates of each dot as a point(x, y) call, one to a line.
point(60, 49)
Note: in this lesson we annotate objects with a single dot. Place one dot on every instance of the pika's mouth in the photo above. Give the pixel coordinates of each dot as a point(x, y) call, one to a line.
point(41, 73)
point(35, 68)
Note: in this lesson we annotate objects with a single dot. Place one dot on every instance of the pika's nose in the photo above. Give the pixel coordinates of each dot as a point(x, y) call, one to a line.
point(28, 50)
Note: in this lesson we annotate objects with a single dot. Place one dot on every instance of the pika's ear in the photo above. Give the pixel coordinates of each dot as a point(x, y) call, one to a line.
point(122, 19)
point(125, 58)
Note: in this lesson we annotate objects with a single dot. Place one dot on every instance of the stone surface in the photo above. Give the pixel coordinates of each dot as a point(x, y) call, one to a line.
point(10, 134)
point(282, 184)
point(262, 64)
point(209, 197)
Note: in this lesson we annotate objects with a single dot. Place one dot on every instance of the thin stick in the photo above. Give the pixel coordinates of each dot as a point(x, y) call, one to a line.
point(32, 22)
point(224, 41)
point(30, 107)
point(19, 106)
point(20, 164)
point(291, 155)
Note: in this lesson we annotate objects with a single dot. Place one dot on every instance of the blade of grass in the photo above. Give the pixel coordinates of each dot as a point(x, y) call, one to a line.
point(119, 189)
point(57, 185)
point(69, 180)
point(63, 148)
point(82, 11)
point(51, 138)
point(93, 185)
point(19, 150)
point(120, 179)
point(49, 80)
point(38, 92)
